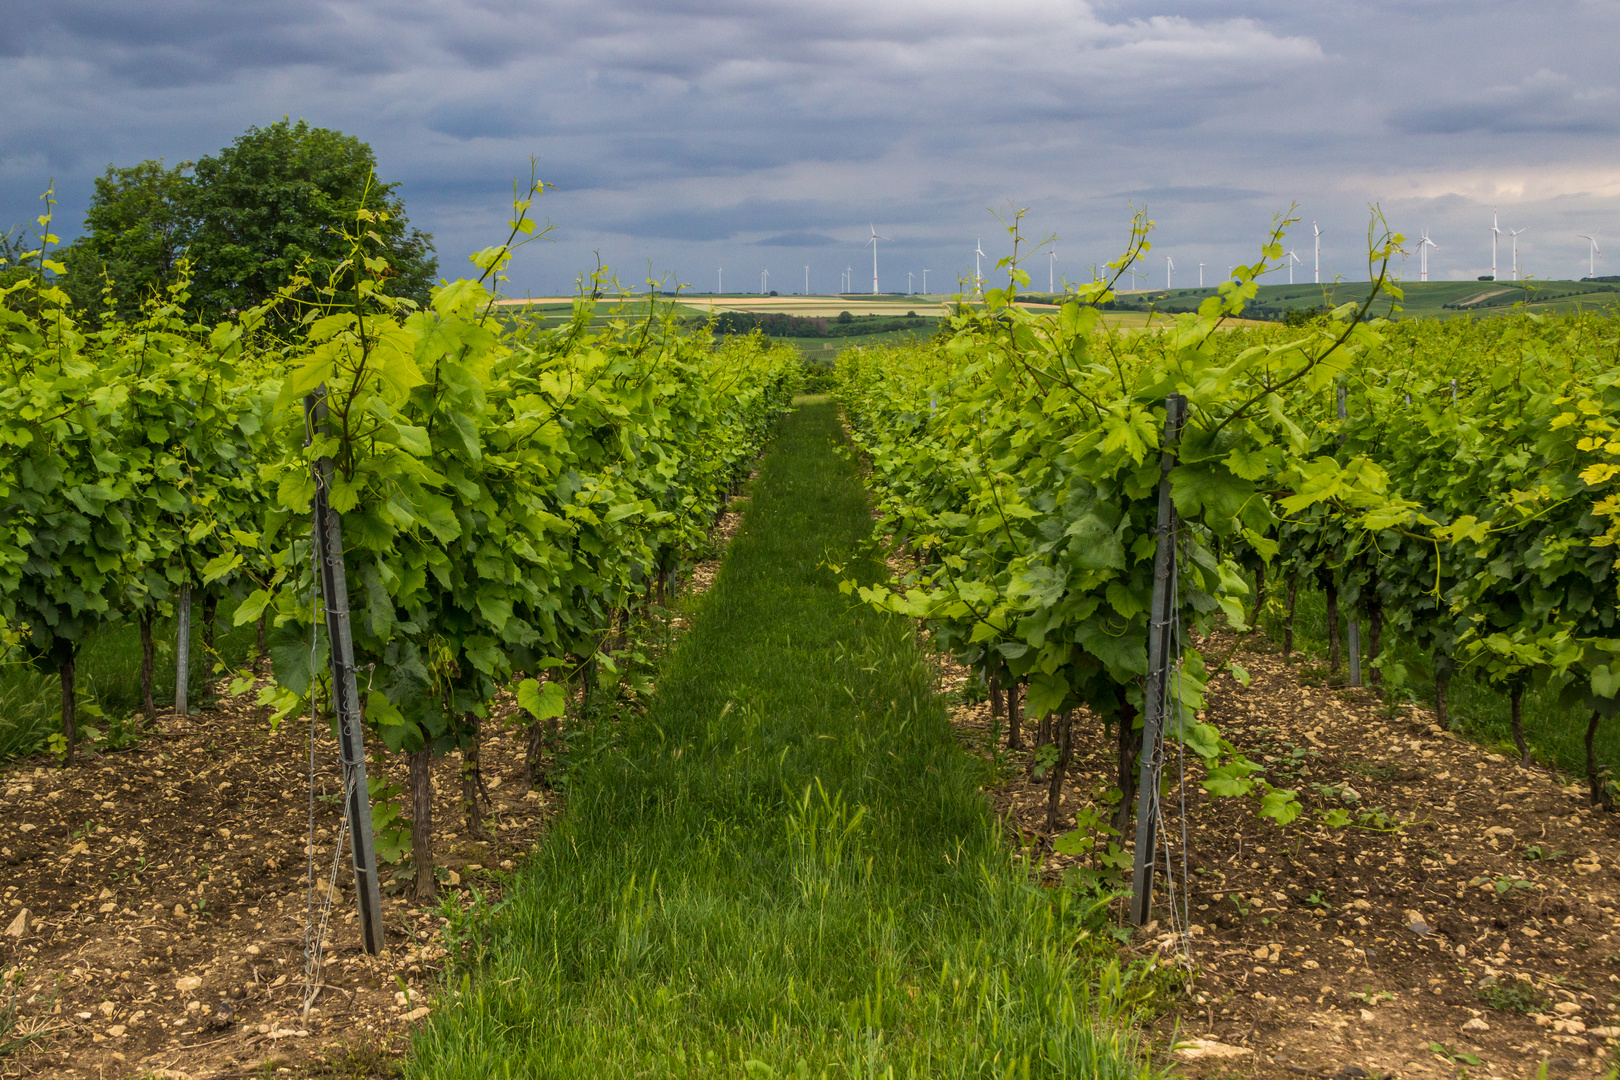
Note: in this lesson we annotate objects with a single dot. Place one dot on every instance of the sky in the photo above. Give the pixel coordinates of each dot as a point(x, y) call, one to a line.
point(680, 139)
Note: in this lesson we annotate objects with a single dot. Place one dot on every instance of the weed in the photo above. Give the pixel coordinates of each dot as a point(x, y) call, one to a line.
point(1455, 1057)
point(1373, 770)
point(1540, 853)
point(1513, 995)
point(1504, 884)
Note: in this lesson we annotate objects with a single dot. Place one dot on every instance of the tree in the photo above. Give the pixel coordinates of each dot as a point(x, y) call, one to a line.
point(137, 229)
point(278, 199)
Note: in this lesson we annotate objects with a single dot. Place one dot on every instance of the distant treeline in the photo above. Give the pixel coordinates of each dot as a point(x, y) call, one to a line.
point(779, 324)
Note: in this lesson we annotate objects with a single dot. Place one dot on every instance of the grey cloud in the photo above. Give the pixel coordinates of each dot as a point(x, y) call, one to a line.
point(1544, 102)
point(1211, 194)
point(799, 240)
point(754, 126)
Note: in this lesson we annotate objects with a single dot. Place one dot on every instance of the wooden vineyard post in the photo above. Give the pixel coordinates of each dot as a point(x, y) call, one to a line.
point(1354, 644)
point(1161, 616)
point(182, 649)
point(345, 694)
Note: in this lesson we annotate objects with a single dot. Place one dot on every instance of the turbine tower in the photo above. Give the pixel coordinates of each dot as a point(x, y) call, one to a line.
point(1051, 264)
point(1200, 275)
point(1592, 254)
point(849, 276)
point(1424, 245)
point(1294, 260)
point(721, 275)
point(1316, 232)
point(807, 281)
point(1514, 233)
point(1169, 268)
point(1495, 232)
point(978, 253)
point(873, 242)
point(925, 281)
point(764, 276)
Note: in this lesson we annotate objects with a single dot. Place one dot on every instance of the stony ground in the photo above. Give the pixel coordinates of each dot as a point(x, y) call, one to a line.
point(154, 901)
point(1464, 922)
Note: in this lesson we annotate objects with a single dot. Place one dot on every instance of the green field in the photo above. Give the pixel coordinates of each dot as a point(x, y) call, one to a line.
point(1423, 299)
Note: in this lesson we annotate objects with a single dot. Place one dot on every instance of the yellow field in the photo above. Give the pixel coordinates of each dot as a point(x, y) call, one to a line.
point(830, 306)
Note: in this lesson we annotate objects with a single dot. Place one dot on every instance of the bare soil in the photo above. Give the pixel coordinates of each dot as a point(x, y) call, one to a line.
point(1473, 929)
point(167, 896)
point(167, 902)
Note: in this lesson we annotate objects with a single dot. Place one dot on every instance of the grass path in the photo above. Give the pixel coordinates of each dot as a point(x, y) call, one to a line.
point(786, 868)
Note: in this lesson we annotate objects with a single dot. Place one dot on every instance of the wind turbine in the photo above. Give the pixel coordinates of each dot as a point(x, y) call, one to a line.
point(925, 281)
point(807, 281)
point(978, 253)
point(1424, 245)
point(764, 276)
point(1591, 255)
point(909, 290)
point(1294, 261)
point(1316, 232)
point(1051, 263)
point(721, 286)
point(1514, 233)
point(1495, 232)
point(1200, 275)
point(849, 276)
point(1169, 268)
point(873, 242)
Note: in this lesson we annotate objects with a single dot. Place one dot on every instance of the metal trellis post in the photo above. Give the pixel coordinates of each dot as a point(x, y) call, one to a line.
point(1354, 647)
point(345, 694)
point(1160, 617)
point(182, 649)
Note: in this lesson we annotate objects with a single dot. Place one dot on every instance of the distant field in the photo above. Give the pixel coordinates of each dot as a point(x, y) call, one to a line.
point(1423, 299)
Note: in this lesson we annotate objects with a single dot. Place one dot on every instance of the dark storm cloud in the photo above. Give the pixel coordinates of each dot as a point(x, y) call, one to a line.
point(680, 132)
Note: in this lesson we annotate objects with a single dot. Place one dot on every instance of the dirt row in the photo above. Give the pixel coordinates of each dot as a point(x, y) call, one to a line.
point(156, 902)
point(1464, 920)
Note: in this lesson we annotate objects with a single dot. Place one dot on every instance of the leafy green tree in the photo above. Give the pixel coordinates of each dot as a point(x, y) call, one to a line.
point(136, 231)
point(278, 199)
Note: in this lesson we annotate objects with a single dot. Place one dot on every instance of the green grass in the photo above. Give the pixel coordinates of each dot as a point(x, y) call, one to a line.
point(1556, 736)
point(108, 675)
point(785, 867)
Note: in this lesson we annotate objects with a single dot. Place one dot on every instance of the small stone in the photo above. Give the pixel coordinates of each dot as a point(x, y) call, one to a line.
point(1367, 1016)
point(106, 894)
point(106, 1008)
point(508, 864)
point(1262, 952)
point(187, 983)
point(116, 1031)
point(1311, 965)
point(1476, 1024)
point(254, 950)
point(455, 878)
point(179, 912)
point(416, 1014)
point(1566, 1008)
point(20, 926)
point(1196, 1049)
point(105, 908)
point(1605, 1032)
point(1421, 929)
